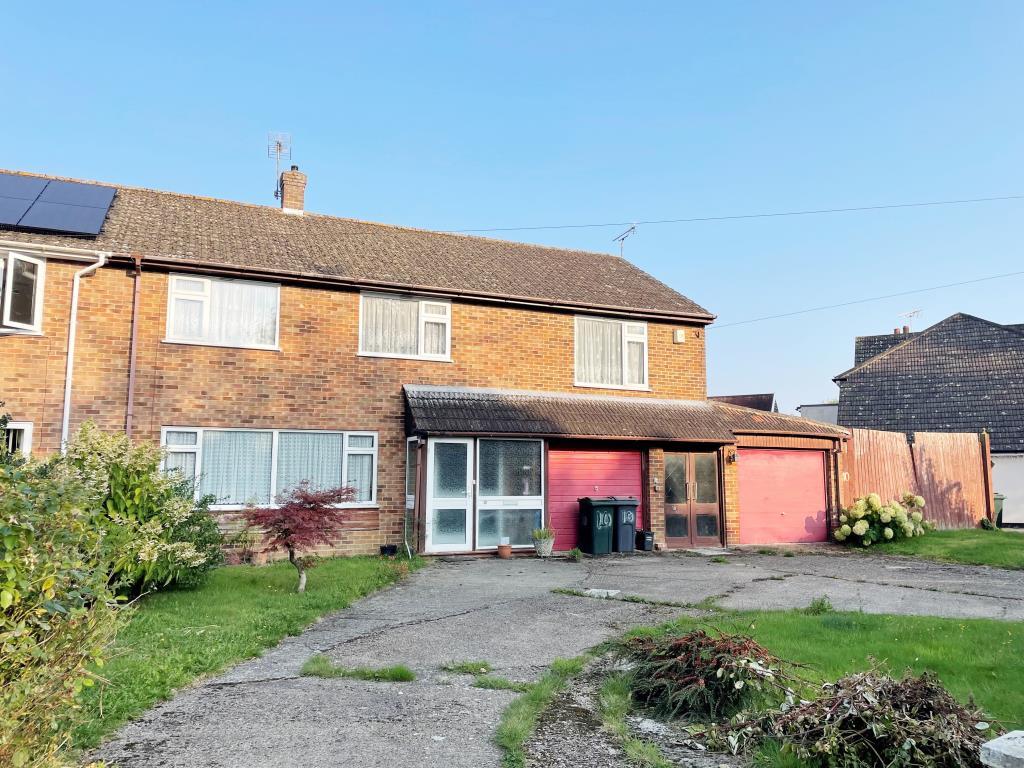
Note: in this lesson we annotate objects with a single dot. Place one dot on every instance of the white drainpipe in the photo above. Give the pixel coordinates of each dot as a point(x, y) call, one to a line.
point(101, 259)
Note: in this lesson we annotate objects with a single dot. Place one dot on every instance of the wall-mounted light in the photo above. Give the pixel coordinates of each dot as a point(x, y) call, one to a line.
point(731, 457)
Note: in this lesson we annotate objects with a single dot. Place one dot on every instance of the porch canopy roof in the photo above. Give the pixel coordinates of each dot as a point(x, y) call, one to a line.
point(433, 410)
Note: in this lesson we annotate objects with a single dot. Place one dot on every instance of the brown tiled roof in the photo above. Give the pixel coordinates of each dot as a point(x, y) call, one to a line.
point(166, 225)
point(753, 421)
point(763, 402)
point(473, 411)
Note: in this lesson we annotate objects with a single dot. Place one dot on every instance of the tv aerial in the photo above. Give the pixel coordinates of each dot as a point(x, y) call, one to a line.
point(279, 147)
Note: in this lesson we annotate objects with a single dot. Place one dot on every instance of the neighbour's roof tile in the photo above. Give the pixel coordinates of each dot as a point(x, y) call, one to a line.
point(187, 228)
point(964, 374)
point(762, 402)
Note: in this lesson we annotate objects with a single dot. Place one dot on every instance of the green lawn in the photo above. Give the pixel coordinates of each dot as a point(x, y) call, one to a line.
point(1002, 549)
point(175, 637)
point(972, 657)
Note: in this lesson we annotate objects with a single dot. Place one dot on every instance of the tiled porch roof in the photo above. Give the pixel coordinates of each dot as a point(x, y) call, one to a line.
point(472, 411)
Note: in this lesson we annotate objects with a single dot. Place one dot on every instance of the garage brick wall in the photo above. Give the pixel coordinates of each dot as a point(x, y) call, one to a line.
point(316, 381)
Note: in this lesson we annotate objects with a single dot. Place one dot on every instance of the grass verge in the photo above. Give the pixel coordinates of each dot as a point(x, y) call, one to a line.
point(468, 667)
point(1000, 549)
point(520, 717)
point(495, 683)
point(175, 637)
point(614, 701)
point(973, 657)
point(321, 666)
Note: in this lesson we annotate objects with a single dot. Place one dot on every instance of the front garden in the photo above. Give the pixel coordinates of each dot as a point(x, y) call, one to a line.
point(658, 689)
point(112, 593)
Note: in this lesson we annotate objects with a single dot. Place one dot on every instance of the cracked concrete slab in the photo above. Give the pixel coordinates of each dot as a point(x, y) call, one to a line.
point(262, 713)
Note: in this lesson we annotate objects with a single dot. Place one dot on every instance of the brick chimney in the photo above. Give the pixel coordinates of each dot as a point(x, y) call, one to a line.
point(293, 191)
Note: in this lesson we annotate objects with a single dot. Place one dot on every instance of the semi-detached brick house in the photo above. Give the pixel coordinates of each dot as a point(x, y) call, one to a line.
point(470, 389)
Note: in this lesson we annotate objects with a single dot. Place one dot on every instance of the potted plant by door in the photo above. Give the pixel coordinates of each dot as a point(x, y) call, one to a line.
point(543, 541)
point(504, 548)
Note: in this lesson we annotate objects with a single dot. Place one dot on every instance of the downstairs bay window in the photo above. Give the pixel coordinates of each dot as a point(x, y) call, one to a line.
point(254, 466)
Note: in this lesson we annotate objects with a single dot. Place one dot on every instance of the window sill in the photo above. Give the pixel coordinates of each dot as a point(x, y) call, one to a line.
point(243, 507)
point(619, 387)
point(18, 332)
point(222, 346)
point(421, 358)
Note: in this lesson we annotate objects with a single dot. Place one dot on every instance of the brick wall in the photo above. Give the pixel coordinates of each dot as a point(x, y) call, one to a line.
point(731, 484)
point(316, 380)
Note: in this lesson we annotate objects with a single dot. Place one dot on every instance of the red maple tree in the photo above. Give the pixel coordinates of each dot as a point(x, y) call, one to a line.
point(303, 518)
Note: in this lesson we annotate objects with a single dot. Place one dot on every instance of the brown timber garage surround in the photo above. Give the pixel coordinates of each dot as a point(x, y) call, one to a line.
point(490, 464)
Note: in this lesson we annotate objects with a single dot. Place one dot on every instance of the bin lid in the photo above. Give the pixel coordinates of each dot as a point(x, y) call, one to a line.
point(625, 501)
point(596, 500)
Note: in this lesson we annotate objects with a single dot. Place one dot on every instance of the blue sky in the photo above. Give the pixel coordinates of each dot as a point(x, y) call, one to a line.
point(456, 115)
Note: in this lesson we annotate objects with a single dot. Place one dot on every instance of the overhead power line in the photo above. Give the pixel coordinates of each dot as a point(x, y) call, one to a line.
point(865, 301)
point(775, 214)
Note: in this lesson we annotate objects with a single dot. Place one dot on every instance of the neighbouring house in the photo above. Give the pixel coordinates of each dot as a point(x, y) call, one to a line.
point(964, 374)
point(827, 412)
point(762, 402)
point(469, 389)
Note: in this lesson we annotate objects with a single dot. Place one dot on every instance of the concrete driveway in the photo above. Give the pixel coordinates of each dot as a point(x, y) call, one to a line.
point(262, 713)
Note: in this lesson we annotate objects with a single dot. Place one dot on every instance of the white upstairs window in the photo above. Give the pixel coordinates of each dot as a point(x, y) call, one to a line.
point(611, 353)
point(21, 292)
point(404, 326)
point(223, 313)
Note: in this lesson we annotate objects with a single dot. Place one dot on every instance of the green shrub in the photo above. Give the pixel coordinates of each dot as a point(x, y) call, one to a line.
point(156, 532)
point(869, 520)
point(58, 614)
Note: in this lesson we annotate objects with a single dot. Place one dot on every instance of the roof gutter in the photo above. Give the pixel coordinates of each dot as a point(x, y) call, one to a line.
point(59, 251)
point(101, 259)
point(326, 281)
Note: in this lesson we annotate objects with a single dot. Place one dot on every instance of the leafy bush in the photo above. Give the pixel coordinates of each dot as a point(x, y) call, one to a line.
point(156, 531)
point(303, 518)
point(868, 719)
point(702, 674)
point(869, 520)
point(58, 614)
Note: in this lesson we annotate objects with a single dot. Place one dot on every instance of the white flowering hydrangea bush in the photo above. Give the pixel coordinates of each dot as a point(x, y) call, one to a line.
point(868, 520)
point(156, 531)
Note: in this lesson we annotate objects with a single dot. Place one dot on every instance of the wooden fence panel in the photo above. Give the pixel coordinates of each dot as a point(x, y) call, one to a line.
point(950, 472)
point(949, 469)
point(877, 462)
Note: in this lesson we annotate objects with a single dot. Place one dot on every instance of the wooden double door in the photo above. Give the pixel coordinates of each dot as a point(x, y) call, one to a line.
point(693, 509)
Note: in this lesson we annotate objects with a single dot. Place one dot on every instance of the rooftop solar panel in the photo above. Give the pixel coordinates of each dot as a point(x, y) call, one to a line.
point(21, 187)
point(58, 217)
point(12, 209)
point(67, 207)
point(73, 193)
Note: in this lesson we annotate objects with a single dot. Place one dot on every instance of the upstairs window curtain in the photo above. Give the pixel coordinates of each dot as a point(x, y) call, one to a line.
point(230, 313)
point(611, 353)
point(401, 326)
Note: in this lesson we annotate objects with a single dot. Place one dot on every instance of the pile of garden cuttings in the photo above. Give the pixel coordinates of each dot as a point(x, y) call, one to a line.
point(570, 732)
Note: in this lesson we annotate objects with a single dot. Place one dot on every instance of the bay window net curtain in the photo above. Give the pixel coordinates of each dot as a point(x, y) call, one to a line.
point(314, 458)
point(243, 313)
point(435, 332)
point(390, 326)
point(237, 466)
point(598, 352)
point(360, 475)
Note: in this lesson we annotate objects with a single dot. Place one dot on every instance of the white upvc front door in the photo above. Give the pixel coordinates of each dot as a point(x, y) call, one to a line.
point(449, 494)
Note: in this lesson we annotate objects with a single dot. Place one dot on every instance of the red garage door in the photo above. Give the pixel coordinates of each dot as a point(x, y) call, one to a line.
point(574, 473)
point(782, 496)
